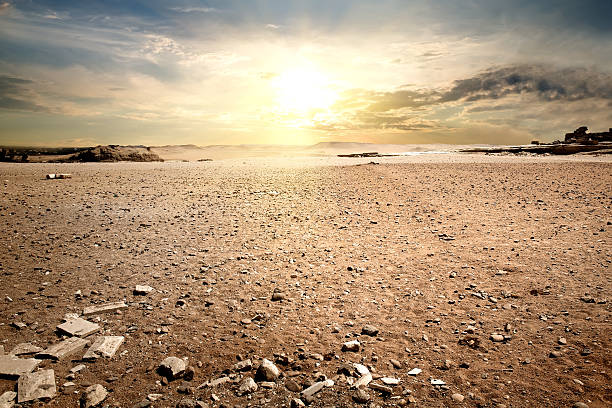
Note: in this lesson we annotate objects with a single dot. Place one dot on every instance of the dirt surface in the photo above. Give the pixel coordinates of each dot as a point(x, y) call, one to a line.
point(436, 255)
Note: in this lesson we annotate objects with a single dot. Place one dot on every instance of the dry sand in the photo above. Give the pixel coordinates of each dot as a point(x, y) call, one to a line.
point(437, 252)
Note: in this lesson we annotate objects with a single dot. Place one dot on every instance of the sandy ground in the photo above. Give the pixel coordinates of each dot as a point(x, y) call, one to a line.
point(437, 252)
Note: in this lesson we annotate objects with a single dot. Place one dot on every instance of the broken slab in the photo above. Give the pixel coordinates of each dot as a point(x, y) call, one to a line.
point(64, 348)
point(7, 400)
point(93, 396)
point(106, 307)
point(11, 366)
point(363, 381)
point(38, 385)
point(104, 346)
point(78, 327)
point(141, 290)
point(24, 349)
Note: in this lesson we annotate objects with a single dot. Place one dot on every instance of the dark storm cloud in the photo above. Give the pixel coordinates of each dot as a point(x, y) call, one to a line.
point(14, 95)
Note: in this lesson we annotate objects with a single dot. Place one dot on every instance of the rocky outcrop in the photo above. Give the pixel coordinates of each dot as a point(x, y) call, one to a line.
point(581, 136)
point(114, 153)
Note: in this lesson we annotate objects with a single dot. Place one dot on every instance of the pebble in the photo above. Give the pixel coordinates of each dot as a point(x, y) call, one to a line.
point(142, 290)
point(248, 386)
point(497, 338)
point(415, 371)
point(352, 346)
point(580, 405)
point(172, 367)
point(361, 396)
point(562, 341)
point(457, 397)
point(93, 396)
point(369, 330)
point(267, 371)
point(555, 354)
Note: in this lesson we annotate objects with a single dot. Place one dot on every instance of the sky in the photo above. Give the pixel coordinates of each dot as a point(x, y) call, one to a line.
point(82, 73)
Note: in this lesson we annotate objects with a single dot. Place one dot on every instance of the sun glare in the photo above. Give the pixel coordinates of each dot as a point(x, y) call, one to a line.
point(303, 90)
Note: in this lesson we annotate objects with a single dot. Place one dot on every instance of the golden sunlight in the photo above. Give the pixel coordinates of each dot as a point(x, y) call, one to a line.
point(302, 90)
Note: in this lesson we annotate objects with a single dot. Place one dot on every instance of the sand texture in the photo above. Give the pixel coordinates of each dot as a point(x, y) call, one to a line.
point(491, 275)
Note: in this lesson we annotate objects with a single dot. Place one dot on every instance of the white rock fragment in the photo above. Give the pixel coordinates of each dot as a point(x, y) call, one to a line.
point(172, 367)
point(77, 368)
point(103, 346)
point(361, 369)
point(38, 385)
point(78, 327)
point(93, 395)
point(390, 381)
point(363, 381)
point(352, 345)
point(434, 381)
point(248, 386)
point(415, 371)
point(316, 387)
point(267, 371)
point(142, 290)
point(106, 307)
point(64, 348)
point(11, 366)
point(7, 400)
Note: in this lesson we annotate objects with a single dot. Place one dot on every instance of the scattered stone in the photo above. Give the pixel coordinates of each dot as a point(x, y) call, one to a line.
point(142, 290)
point(497, 338)
point(369, 330)
point(189, 373)
point(7, 400)
point(244, 365)
point(187, 403)
point(580, 405)
point(297, 403)
point(352, 345)
point(24, 349)
point(434, 381)
point(292, 385)
point(555, 354)
point(390, 381)
point(106, 307)
point(172, 368)
point(38, 385)
point(363, 381)
point(77, 368)
point(562, 341)
point(219, 381)
point(277, 295)
point(19, 325)
point(361, 369)
point(64, 348)
point(248, 386)
point(457, 397)
point(381, 388)
point(415, 371)
point(316, 387)
point(267, 371)
point(11, 366)
point(78, 327)
point(396, 364)
point(104, 346)
point(93, 395)
point(360, 396)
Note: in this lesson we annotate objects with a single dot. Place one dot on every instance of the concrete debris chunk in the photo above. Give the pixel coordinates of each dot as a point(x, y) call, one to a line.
point(104, 346)
point(361, 369)
point(106, 307)
point(7, 400)
point(316, 387)
point(11, 366)
point(78, 327)
point(363, 381)
point(172, 367)
point(141, 290)
point(93, 395)
point(352, 345)
point(24, 349)
point(64, 348)
point(38, 385)
point(267, 371)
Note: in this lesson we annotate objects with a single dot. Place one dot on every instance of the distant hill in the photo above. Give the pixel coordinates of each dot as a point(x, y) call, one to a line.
point(113, 153)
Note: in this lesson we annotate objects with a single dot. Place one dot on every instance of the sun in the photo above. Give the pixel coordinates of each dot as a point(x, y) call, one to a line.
point(303, 90)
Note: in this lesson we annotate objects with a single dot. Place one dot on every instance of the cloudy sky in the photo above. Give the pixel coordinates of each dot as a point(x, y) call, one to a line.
point(301, 72)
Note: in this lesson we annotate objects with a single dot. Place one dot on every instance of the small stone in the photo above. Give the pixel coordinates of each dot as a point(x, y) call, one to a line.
point(297, 403)
point(390, 381)
point(381, 388)
point(396, 364)
point(457, 397)
point(106, 307)
point(562, 341)
point(267, 371)
point(142, 290)
point(363, 381)
point(38, 385)
point(292, 385)
point(497, 338)
point(352, 345)
point(77, 368)
point(278, 296)
point(361, 369)
point(103, 347)
point(11, 366)
point(248, 386)
point(78, 327)
point(189, 373)
point(415, 371)
point(93, 395)
point(360, 396)
point(7, 400)
point(580, 405)
point(244, 365)
point(186, 403)
point(555, 354)
point(24, 349)
point(369, 330)
point(434, 381)
point(172, 368)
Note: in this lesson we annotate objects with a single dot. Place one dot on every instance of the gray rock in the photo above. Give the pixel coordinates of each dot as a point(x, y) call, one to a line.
point(293, 386)
point(360, 396)
point(141, 290)
point(93, 395)
point(104, 346)
point(24, 349)
point(457, 397)
point(77, 368)
point(316, 387)
point(11, 366)
point(38, 385)
point(172, 367)
point(7, 400)
point(369, 330)
point(106, 307)
point(363, 381)
point(352, 345)
point(497, 338)
point(63, 348)
point(248, 386)
point(396, 364)
point(244, 365)
point(555, 354)
point(267, 371)
point(78, 327)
